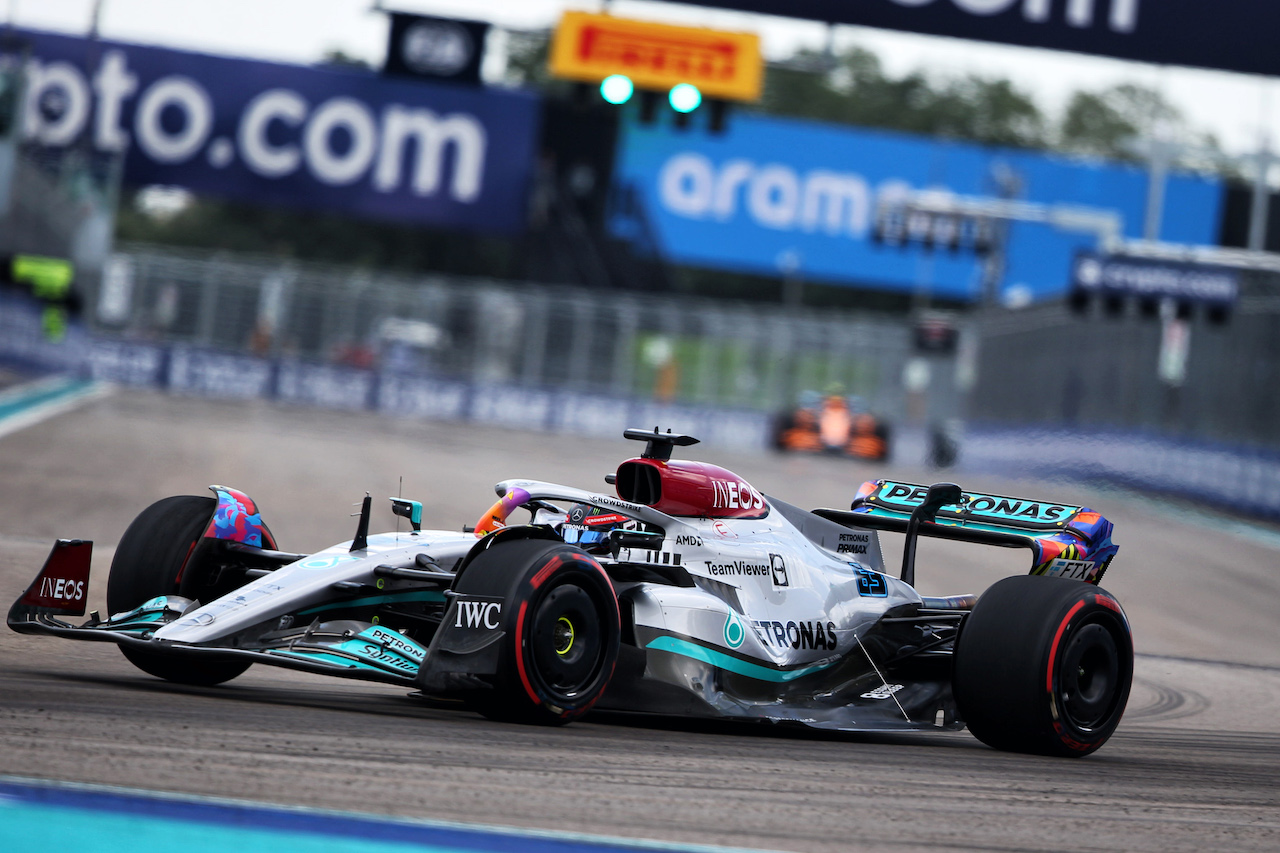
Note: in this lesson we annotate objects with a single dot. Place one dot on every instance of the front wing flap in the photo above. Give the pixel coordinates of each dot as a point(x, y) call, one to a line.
point(342, 648)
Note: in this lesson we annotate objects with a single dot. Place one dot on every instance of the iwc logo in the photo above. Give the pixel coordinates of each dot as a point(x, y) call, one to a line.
point(734, 631)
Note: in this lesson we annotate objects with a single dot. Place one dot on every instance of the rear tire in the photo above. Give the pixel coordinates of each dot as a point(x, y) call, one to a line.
point(561, 630)
point(1044, 665)
point(150, 561)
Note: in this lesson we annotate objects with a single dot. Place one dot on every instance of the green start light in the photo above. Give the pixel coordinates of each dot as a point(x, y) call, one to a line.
point(684, 97)
point(617, 88)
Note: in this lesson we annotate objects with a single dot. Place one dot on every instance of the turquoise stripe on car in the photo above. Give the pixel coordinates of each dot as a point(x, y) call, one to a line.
point(324, 657)
point(677, 646)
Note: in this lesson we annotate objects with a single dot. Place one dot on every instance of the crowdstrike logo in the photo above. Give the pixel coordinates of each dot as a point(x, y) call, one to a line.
point(338, 141)
point(1123, 17)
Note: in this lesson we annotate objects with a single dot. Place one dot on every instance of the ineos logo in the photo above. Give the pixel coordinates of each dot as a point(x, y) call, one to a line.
point(61, 588)
point(479, 614)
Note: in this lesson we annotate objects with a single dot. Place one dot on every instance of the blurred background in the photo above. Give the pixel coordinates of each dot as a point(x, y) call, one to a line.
point(1023, 236)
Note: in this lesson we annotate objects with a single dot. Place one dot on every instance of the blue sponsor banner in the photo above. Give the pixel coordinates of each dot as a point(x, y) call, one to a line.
point(323, 385)
point(777, 196)
point(1149, 278)
point(206, 373)
point(1210, 33)
point(268, 133)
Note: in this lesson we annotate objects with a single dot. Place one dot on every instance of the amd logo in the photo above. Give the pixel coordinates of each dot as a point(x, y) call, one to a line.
point(1079, 13)
point(479, 614)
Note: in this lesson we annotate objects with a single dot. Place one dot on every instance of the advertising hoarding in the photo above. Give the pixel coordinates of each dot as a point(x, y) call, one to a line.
point(658, 56)
point(440, 49)
point(1225, 34)
point(1148, 278)
point(796, 198)
point(269, 133)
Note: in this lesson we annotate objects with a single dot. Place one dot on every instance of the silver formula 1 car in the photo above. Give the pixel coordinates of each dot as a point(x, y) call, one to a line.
point(687, 593)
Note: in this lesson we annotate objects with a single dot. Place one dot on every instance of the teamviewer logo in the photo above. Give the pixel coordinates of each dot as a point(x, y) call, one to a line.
point(778, 568)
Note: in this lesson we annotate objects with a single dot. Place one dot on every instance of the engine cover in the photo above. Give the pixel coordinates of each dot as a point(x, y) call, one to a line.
point(684, 488)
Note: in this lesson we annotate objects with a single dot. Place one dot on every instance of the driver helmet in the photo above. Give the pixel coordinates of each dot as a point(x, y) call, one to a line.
point(587, 525)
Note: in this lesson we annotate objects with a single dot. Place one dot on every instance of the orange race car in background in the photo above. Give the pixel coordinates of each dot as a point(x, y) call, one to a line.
point(833, 423)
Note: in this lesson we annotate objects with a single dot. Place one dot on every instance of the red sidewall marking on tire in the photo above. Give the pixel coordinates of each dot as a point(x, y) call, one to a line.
point(1108, 602)
point(608, 582)
point(545, 572)
point(587, 707)
point(613, 596)
point(524, 676)
point(1053, 649)
point(554, 563)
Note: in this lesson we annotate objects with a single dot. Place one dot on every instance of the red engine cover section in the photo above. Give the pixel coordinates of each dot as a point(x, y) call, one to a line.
point(689, 489)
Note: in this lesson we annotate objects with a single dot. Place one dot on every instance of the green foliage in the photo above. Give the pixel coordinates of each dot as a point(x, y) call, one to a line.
point(325, 237)
point(337, 58)
point(527, 54)
point(1113, 124)
point(856, 90)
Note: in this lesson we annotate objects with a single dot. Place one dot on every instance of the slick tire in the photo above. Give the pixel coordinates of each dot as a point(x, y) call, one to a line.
point(149, 562)
point(1044, 665)
point(561, 630)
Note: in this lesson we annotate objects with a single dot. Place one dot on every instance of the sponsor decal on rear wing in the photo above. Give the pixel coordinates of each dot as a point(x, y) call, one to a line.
point(1065, 540)
point(974, 506)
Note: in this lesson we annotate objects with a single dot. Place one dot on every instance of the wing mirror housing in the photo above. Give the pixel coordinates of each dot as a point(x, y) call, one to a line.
point(411, 510)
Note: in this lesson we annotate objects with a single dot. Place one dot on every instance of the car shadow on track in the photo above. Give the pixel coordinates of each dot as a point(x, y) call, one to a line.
point(777, 730)
point(415, 706)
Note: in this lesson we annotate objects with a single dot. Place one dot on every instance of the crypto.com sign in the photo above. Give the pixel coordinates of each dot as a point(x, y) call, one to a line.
point(1232, 35)
point(286, 134)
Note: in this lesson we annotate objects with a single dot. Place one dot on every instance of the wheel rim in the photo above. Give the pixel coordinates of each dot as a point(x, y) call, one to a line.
point(567, 648)
point(1090, 678)
point(563, 635)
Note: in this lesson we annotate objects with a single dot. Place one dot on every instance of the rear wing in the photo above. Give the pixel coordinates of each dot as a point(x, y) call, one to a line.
point(1064, 540)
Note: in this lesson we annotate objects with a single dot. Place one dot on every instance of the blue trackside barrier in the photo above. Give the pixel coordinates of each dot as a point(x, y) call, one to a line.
point(186, 370)
point(1232, 478)
point(1237, 479)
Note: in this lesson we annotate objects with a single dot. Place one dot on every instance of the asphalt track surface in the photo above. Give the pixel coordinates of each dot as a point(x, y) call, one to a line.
point(1195, 765)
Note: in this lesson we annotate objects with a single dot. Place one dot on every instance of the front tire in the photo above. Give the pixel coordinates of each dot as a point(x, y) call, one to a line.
point(561, 630)
point(153, 558)
point(1044, 665)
